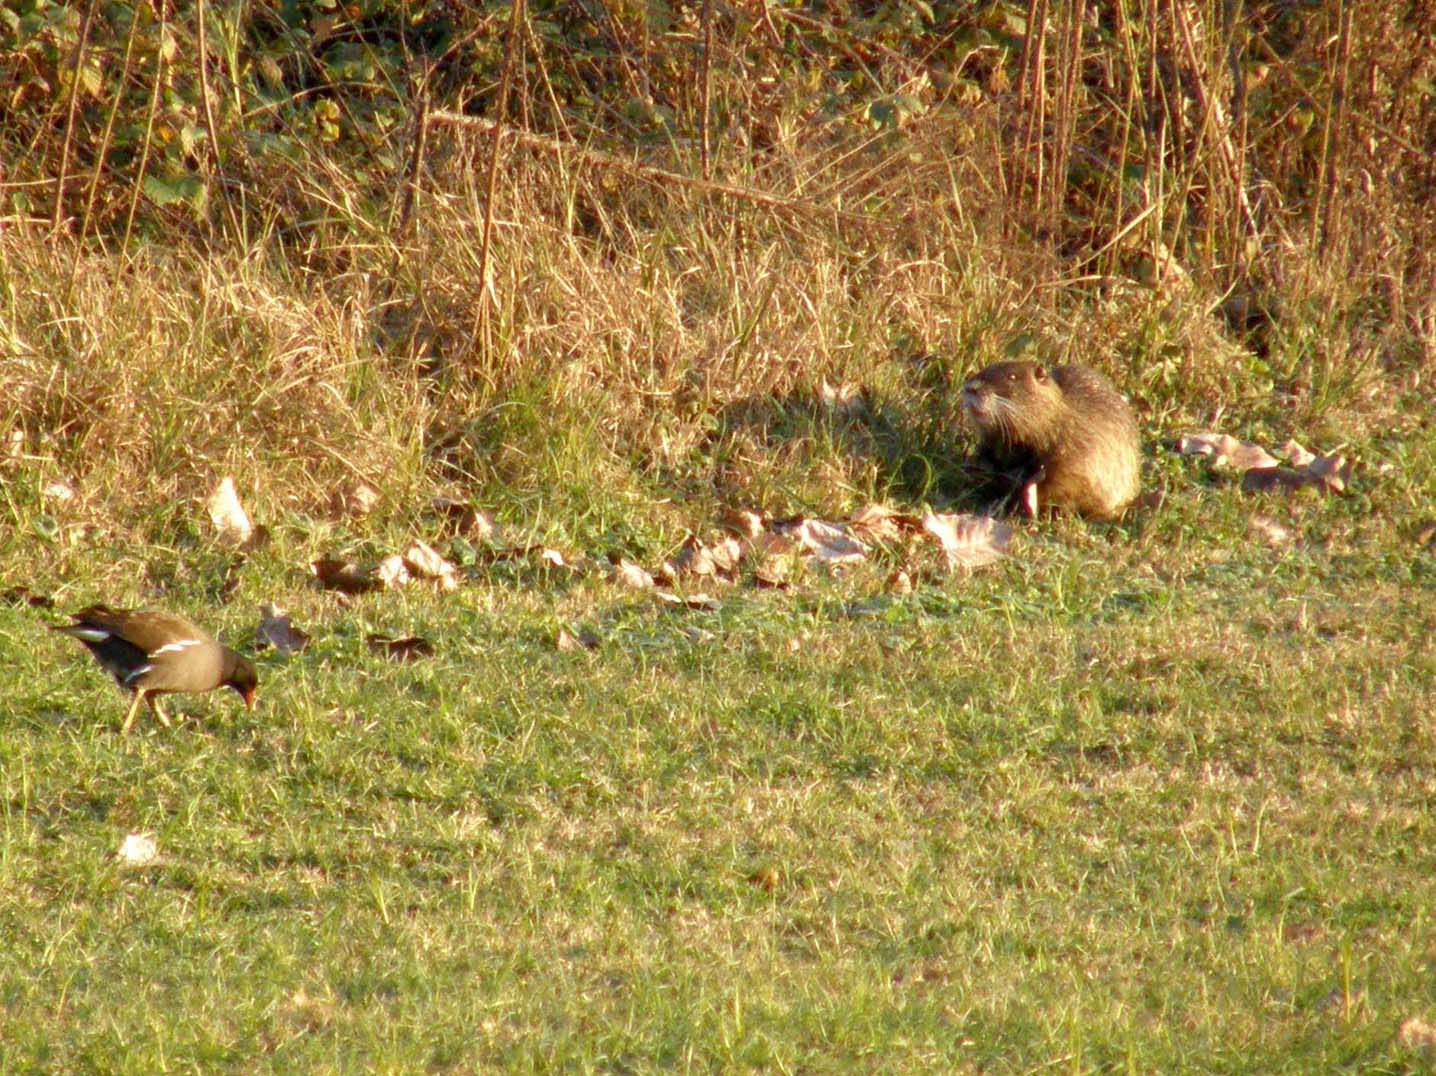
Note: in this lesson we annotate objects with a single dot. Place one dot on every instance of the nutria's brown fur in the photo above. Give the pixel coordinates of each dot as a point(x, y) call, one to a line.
point(1065, 431)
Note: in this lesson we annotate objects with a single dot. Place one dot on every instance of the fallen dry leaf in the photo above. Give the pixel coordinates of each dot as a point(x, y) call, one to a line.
point(632, 575)
point(357, 499)
point(775, 570)
point(843, 400)
point(569, 643)
point(1417, 1035)
point(1296, 454)
point(900, 582)
point(23, 595)
point(877, 522)
point(1300, 933)
point(137, 849)
point(475, 523)
point(276, 630)
point(1330, 472)
point(775, 544)
point(742, 522)
point(424, 561)
point(766, 877)
point(392, 572)
point(697, 600)
point(727, 553)
point(1425, 532)
point(347, 576)
point(830, 543)
point(1277, 479)
point(227, 514)
point(1224, 450)
point(699, 560)
point(968, 541)
point(408, 648)
point(59, 491)
point(1270, 531)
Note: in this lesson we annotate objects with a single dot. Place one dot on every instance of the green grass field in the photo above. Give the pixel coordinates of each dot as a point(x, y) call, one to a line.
point(1150, 797)
point(1155, 797)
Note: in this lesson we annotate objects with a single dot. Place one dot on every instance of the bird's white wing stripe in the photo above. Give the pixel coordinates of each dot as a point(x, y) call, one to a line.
point(174, 648)
point(133, 673)
point(91, 635)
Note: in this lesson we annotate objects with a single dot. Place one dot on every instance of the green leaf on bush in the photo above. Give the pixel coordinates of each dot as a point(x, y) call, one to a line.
point(189, 189)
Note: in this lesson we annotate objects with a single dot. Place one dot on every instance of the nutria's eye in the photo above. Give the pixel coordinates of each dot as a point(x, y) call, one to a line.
point(1040, 373)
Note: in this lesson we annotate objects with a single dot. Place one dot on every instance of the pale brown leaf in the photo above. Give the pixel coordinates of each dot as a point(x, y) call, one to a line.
point(23, 595)
point(693, 559)
point(1328, 472)
point(726, 554)
point(775, 544)
point(775, 570)
point(843, 400)
point(696, 600)
point(1296, 454)
point(344, 575)
point(568, 642)
point(877, 522)
point(1226, 451)
point(424, 561)
point(699, 560)
point(276, 630)
point(137, 849)
point(407, 648)
point(742, 522)
point(356, 499)
point(900, 582)
point(632, 575)
point(1417, 1035)
point(227, 514)
point(478, 524)
point(830, 543)
point(1278, 479)
point(391, 572)
point(766, 877)
point(968, 541)
point(1270, 531)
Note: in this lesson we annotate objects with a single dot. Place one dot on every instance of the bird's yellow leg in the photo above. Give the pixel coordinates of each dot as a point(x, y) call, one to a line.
point(134, 709)
point(154, 701)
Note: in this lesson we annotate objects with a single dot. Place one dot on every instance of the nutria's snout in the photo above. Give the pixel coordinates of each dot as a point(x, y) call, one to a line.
point(975, 398)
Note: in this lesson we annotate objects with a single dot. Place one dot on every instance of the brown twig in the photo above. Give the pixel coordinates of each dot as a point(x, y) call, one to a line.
point(656, 175)
point(416, 160)
point(58, 212)
point(481, 308)
point(707, 90)
point(103, 151)
point(150, 114)
point(212, 128)
point(1333, 140)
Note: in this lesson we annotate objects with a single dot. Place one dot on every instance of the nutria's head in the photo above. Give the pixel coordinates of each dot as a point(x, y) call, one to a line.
point(1012, 401)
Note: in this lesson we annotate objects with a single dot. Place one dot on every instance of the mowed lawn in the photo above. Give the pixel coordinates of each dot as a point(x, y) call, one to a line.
point(1146, 797)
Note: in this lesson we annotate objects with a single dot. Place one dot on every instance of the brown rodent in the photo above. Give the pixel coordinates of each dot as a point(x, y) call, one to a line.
point(1065, 435)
